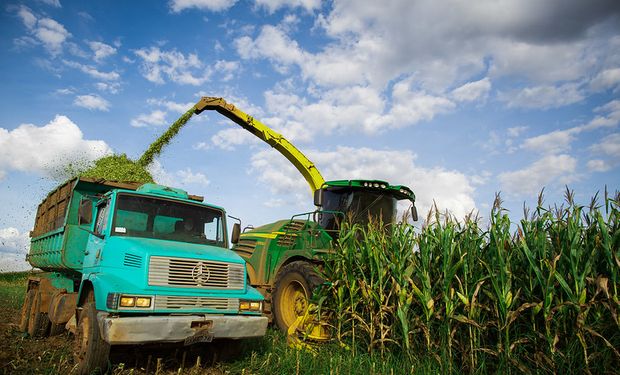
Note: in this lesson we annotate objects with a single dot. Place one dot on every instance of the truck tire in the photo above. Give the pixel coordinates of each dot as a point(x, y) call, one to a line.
point(90, 351)
point(293, 288)
point(56, 329)
point(38, 322)
point(25, 315)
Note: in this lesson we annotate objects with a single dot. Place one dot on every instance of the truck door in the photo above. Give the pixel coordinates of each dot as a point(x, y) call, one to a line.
point(96, 241)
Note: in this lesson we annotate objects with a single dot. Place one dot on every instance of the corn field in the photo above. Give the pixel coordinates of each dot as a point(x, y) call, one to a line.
point(540, 296)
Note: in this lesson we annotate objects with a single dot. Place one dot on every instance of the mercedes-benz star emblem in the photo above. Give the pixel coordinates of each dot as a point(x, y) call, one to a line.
point(201, 274)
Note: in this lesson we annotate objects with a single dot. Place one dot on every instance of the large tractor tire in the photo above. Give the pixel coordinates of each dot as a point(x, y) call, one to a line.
point(90, 351)
point(38, 322)
point(293, 288)
point(25, 315)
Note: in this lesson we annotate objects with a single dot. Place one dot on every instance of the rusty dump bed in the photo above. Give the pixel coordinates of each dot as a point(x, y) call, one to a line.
point(56, 241)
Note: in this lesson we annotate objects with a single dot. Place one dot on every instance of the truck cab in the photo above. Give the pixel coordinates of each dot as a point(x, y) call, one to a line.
point(143, 265)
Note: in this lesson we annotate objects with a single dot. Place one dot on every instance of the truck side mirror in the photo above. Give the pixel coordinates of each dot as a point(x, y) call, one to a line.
point(236, 232)
point(85, 212)
point(414, 212)
point(318, 197)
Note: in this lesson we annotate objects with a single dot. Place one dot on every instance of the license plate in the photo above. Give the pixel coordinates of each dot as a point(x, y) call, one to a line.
point(199, 337)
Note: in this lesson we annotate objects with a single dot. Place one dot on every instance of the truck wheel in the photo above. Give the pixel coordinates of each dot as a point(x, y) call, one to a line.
point(90, 351)
point(38, 322)
point(293, 288)
point(56, 329)
point(25, 315)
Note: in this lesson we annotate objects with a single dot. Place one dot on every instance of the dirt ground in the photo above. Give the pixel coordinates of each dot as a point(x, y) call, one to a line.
point(21, 354)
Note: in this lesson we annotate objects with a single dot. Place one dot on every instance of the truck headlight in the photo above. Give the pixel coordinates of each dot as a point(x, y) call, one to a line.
point(137, 302)
point(253, 306)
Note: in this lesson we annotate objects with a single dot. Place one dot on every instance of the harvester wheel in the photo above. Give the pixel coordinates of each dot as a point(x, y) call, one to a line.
point(38, 322)
point(90, 351)
point(293, 288)
point(25, 315)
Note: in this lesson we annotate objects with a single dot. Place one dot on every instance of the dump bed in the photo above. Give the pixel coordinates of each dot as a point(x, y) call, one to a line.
point(57, 241)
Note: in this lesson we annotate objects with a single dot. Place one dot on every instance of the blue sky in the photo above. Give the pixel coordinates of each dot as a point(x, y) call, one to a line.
point(457, 100)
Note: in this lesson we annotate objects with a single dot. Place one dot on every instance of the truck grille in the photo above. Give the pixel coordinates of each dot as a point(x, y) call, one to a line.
point(181, 302)
point(195, 273)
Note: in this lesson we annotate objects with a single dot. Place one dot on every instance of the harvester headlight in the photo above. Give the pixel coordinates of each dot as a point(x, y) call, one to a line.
point(253, 306)
point(376, 184)
point(383, 186)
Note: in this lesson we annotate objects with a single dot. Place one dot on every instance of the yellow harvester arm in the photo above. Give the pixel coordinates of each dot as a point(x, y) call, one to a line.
point(266, 134)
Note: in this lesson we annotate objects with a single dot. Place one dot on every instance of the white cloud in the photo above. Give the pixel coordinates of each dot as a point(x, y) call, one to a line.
point(156, 118)
point(180, 178)
point(609, 78)
point(92, 102)
point(65, 91)
point(13, 250)
point(517, 131)
point(610, 145)
point(111, 87)
point(186, 177)
point(451, 190)
point(598, 165)
point(226, 69)
point(170, 105)
point(158, 65)
point(561, 140)
point(54, 3)
point(101, 50)
point(228, 139)
point(472, 91)
point(93, 72)
point(212, 5)
point(543, 96)
point(47, 149)
point(47, 31)
point(273, 5)
point(551, 143)
point(554, 170)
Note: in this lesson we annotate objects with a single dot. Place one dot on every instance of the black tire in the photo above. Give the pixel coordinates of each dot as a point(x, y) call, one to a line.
point(90, 351)
point(56, 329)
point(293, 288)
point(25, 315)
point(38, 322)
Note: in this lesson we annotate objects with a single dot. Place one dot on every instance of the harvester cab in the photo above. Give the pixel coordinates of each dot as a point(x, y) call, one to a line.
point(359, 201)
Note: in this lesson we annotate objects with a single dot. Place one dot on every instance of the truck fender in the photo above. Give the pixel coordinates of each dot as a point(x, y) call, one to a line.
point(62, 306)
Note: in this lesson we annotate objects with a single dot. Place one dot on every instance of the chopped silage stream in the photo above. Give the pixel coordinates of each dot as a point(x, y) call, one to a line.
point(119, 167)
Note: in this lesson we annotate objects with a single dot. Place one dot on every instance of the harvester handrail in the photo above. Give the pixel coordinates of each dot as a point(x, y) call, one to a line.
point(267, 135)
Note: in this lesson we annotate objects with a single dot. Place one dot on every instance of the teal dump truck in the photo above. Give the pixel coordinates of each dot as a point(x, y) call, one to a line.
point(127, 263)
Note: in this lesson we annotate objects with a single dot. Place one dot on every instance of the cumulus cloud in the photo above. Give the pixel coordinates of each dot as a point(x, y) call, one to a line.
point(212, 5)
point(157, 66)
point(228, 139)
point(550, 170)
point(451, 190)
point(156, 118)
point(170, 105)
point(92, 102)
point(101, 50)
point(47, 149)
point(610, 145)
point(187, 177)
point(48, 32)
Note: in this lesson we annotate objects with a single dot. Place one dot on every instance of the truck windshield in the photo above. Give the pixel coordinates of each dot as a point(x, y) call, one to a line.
point(360, 206)
point(139, 216)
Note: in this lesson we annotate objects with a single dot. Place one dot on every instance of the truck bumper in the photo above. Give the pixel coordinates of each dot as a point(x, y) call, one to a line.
point(179, 328)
